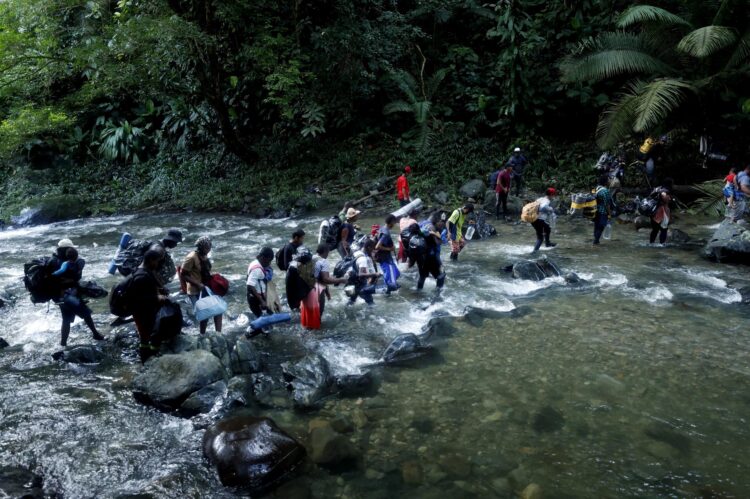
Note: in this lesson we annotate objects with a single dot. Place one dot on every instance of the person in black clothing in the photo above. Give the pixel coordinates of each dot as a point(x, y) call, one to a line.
point(430, 263)
point(286, 254)
point(71, 305)
point(146, 296)
point(167, 269)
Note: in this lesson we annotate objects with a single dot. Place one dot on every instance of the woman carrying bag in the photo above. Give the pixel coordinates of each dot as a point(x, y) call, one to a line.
point(196, 270)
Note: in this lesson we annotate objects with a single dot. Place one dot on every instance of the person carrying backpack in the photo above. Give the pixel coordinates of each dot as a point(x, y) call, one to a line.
point(346, 237)
point(545, 216)
point(68, 296)
point(196, 270)
point(429, 263)
point(145, 298)
point(384, 252)
point(603, 208)
point(259, 272)
point(366, 274)
point(502, 189)
point(285, 255)
point(518, 163)
point(661, 217)
point(455, 229)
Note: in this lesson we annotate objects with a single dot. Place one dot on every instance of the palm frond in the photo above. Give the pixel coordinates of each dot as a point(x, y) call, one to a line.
point(612, 54)
point(640, 14)
point(398, 106)
point(407, 84)
point(656, 100)
point(616, 122)
point(741, 54)
point(434, 82)
point(711, 199)
point(706, 41)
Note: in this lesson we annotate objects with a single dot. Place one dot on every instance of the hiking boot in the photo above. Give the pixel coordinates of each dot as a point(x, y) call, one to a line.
point(550, 245)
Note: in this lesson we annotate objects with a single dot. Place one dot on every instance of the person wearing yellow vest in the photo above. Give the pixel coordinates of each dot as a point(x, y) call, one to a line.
point(455, 227)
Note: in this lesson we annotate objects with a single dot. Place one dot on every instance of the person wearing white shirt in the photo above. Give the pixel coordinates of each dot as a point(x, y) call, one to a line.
point(545, 218)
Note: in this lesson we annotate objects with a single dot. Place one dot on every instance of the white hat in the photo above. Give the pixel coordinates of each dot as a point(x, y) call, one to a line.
point(65, 243)
point(351, 213)
point(517, 149)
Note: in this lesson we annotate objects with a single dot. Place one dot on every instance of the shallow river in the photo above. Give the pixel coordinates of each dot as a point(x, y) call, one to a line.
point(632, 384)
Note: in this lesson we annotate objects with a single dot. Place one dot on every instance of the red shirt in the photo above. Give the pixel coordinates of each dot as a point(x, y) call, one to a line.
point(402, 188)
point(503, 181)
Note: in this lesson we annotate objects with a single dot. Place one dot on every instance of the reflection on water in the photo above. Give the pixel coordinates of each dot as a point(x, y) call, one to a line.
point(632, 383)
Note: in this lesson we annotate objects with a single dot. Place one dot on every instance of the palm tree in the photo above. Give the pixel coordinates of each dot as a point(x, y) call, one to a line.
point(418, 100)
point(668, 62)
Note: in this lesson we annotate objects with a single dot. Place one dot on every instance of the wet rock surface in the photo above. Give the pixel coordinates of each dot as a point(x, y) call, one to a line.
point(3, 344)
point(20, 483)
point(403, 348)
point(81, 354)
point(309, 380)
point(730, 243)
point(167, 381)
point(472, 189)
point(251, 453)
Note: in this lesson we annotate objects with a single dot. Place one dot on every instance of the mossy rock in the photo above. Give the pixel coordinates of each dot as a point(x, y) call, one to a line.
point(51, 209)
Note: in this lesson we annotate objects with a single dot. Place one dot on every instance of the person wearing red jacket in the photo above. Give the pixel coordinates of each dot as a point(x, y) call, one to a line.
point(402, 187)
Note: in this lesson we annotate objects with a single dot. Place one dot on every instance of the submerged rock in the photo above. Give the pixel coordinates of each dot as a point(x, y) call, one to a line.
point(3, 344)
point(404, 347)
point(665, 433)
point(252, 453)
point(730, 243)
point(548, 420)
point(21, 483)
point(532, 491)
point(329, 448)
point(309, 379)
point(536, 270)
point(642, 222)
point(167, 381)
point(355, 385)
point(80, 354)
point(676, 236)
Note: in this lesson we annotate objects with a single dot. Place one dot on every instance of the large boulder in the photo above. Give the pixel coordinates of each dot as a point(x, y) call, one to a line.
point(3, 343)
point(404, 347)
point(80, 354)
point(51, 209)
point(215, 344)
point(251, 453)
point(729, 244)
point(472, 188)
point(245, 358)
point(167, 381)
point(309, 379)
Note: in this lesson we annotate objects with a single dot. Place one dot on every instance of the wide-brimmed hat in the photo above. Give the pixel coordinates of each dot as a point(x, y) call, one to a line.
point(174, 235)
point(351, 213)
point(65, 243)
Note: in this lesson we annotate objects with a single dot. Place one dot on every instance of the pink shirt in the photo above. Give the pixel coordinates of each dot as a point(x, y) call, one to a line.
point(405, 222)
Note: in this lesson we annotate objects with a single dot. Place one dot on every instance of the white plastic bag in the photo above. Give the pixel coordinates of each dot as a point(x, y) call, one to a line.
point(208, 306)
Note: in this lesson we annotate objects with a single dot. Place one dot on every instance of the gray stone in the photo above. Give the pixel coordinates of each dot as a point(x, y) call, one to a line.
point(472, 188)
point(455, 465)
point(51, 209)
point(309, 379)
point(203, 400)
point(532, 491)
point(404, 347)
point(665, 433)
point(328, 448)
point(676, 236)
point(252, 453)
point(80, 354)
point(535, 270)
point(411, 473)
point(262, 386)
point(730, 243)
point(355, 385)
point(502, 487)
point(245, 358)
point(441, 197)
point(167, 381)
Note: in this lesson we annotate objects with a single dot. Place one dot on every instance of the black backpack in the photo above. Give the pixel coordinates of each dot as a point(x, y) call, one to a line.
point(493, 179)
point(333, 233)
point(343, 266)
point(120, 303)
point(38, 279)
point(130, 258)
point(649, 205)
point(281, 260)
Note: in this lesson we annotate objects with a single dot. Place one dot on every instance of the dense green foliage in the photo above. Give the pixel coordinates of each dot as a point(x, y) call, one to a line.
point(246, 104)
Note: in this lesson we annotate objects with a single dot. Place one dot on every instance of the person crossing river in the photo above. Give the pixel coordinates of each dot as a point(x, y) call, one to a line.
point(455, 227)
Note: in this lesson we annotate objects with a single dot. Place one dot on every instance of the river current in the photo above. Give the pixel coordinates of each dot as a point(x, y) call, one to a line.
point(631, 384)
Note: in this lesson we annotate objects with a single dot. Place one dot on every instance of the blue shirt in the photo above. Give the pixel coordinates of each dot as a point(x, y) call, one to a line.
point(385, 239)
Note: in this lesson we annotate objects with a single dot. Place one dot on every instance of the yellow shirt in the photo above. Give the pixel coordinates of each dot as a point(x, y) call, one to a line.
point(191, 266)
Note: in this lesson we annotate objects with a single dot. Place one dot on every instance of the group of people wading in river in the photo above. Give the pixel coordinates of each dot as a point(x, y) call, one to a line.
point(366, 259)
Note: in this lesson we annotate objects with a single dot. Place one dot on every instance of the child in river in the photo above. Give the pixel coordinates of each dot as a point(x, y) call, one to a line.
point(71, 256)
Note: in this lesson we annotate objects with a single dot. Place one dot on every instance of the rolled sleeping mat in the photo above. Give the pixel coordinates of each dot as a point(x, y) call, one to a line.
point(323, 231)
point(124, 240)
point(270, 320)
point(405, 210)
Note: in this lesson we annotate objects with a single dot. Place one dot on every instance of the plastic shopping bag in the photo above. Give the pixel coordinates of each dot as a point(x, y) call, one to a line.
point(208, 306)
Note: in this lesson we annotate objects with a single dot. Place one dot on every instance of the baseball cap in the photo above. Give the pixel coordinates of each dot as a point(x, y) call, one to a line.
point(517, 149)
point(407, 169)
point(65, 243)
point(551, 191)
point(174, 235)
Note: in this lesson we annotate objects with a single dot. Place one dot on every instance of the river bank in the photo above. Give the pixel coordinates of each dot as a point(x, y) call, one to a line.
point(628, 384)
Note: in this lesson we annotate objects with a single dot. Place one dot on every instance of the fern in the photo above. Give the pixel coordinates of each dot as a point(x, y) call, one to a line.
point(706, 41)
